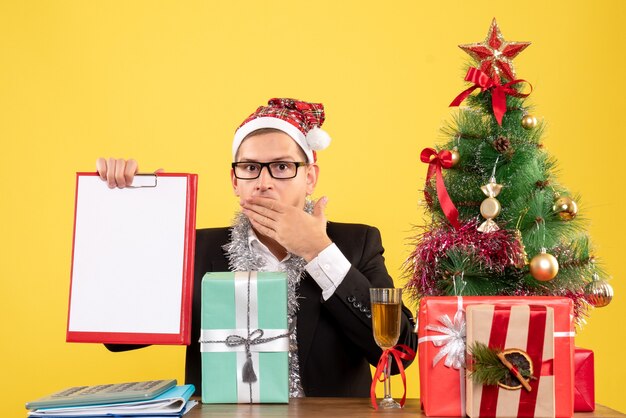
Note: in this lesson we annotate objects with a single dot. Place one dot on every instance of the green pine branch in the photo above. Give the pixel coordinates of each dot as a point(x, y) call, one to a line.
point(486, 368)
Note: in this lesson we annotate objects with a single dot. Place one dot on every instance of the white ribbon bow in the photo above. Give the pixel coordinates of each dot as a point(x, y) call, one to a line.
point(452, 340)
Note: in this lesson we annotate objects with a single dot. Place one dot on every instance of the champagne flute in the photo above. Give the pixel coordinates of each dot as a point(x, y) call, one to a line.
point(386, 308)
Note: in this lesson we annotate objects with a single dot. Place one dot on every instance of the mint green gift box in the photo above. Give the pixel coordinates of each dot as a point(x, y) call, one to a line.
point(242, 309)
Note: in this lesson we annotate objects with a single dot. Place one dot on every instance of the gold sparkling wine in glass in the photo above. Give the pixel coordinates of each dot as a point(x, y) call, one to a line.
point(386, 323)
point(386, 313)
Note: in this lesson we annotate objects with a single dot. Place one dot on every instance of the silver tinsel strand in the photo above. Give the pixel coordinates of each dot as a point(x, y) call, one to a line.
point(241, 258)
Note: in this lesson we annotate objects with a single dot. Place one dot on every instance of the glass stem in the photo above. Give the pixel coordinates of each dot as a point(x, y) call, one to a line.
point(387, 384)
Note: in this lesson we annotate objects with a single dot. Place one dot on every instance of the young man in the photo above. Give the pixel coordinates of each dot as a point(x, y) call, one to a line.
point(330, 266)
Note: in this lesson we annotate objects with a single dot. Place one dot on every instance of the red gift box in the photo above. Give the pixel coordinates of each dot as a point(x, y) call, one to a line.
point(523, 328)
point(584, 390)
point(442, 386)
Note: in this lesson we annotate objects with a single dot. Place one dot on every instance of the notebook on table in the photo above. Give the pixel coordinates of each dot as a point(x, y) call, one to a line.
point(100, 394)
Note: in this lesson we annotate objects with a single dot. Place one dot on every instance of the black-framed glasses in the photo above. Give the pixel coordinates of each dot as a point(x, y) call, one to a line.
point(250, 170)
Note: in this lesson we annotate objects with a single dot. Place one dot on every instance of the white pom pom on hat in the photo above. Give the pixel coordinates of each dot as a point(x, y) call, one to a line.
point(317, 139)
point(300, 120)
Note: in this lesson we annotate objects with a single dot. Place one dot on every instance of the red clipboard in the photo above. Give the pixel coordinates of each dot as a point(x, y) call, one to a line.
point(132, 260)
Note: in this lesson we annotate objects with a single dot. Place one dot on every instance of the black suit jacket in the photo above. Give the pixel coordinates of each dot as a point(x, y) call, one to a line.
point(335, 341)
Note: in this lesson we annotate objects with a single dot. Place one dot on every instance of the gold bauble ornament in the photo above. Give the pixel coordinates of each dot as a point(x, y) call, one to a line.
point(566, 208)
point(598, 292)
point(544, 267)
point(456, 157)
point(529, 122)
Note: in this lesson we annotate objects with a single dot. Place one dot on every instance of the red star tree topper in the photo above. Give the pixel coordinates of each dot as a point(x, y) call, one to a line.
point(495, 54)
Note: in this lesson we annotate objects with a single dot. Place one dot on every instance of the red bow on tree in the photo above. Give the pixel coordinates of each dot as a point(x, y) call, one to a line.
point(435, 161)
point(498, 91)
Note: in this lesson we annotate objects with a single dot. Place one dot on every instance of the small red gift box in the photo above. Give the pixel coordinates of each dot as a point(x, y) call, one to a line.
point(442, 351)
point(584, 390)
point(528, 330)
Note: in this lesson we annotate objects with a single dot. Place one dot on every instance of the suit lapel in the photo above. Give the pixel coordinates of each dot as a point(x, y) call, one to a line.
point(309, 295)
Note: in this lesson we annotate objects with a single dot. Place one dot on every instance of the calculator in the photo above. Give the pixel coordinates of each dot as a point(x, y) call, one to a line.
point(103, 394)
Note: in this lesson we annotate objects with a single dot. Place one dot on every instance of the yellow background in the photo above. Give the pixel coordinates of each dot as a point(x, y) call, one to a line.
point(167, 83)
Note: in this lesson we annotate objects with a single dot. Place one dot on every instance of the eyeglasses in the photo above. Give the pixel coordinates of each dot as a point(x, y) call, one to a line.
point(282, 170)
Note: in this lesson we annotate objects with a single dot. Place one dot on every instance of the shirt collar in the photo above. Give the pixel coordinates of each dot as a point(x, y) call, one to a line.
point(256, 245)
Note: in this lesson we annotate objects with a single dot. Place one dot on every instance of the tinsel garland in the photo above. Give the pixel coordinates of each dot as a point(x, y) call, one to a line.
point(494, 251)
point(241, 258)
point(581, 306)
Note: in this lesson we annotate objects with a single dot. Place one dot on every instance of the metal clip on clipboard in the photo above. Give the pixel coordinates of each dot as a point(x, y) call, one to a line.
point(144, 180)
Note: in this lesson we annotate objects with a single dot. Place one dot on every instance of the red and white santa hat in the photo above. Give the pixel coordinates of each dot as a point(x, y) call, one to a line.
point(302, 121)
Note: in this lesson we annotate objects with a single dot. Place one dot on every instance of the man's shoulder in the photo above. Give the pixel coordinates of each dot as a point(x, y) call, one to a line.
point(351, 231)
point(213, 235)
point(214, 231)
point(343, 226)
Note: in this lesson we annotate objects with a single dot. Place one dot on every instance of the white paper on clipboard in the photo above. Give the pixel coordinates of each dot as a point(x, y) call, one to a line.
point(132, 262)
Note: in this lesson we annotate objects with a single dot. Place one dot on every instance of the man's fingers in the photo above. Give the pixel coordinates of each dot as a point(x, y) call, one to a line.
point(260, 218)
point(117, 172)
point(320, 207)
point(267, 212)
point(130, 171)
point(111, 173)
point(270, 204)
point(120, 166)
point(101, 168)
point(263, 229)
point(262, 210)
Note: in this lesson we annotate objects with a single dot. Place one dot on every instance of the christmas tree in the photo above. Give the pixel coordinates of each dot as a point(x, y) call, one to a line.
point(502, 224)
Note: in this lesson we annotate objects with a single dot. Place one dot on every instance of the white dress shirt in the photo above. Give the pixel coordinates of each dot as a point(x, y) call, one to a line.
point(328, 269)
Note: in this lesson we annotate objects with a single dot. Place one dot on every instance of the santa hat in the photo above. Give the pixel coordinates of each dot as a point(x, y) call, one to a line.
point(302, 121)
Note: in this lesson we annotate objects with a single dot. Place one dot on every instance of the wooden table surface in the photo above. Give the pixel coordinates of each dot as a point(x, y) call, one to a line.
point(335, 407)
